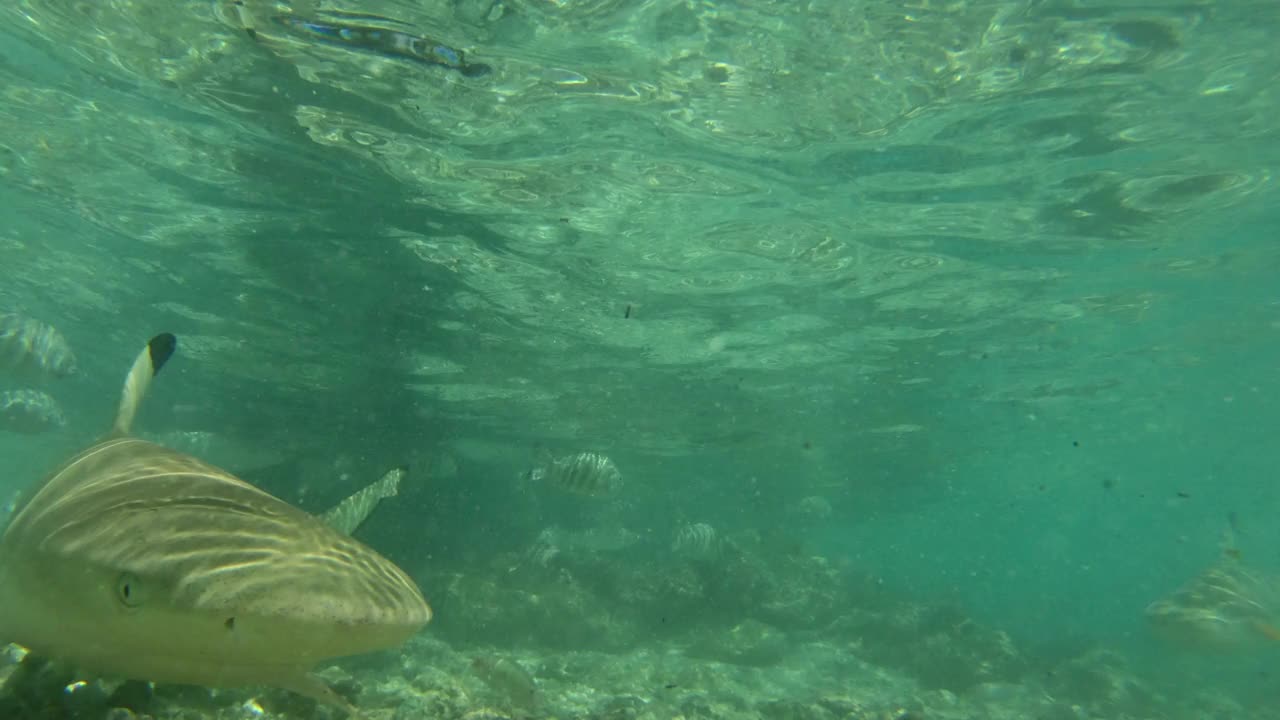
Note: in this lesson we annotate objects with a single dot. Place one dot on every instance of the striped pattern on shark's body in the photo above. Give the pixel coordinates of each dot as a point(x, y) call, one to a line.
point(142, 562)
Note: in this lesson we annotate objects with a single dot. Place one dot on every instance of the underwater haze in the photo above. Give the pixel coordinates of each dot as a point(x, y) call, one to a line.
point(761, 359)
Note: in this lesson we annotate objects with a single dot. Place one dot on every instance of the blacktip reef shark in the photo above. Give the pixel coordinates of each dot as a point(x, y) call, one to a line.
point(136, 561)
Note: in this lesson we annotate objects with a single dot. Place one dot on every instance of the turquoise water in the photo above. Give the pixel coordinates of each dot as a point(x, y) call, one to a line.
point(994, 280)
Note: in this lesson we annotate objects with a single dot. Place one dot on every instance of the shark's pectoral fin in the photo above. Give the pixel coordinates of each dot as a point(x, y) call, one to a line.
point(347, 515)
point(306, 684)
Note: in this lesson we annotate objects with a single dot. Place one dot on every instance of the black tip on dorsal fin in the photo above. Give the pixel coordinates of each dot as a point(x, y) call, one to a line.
point(162, 348)
point(153, 357)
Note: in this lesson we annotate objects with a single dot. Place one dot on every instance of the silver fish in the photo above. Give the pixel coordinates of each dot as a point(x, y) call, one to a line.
point(31, 349)
point(543, 550)
point(30, 412)
point(814, 507)
point(586, 473)
point(509, 678)
point(141, 562)
point(606, 539)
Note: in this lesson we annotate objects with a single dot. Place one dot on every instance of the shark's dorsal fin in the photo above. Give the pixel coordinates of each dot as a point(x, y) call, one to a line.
point(153, 357)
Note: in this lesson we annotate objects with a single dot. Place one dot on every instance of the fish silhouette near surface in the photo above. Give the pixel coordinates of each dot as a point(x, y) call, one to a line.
point(358, 32)
point(383, 41)
point(141, 562)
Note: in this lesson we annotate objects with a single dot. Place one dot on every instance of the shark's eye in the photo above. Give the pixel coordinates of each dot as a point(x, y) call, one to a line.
point(128, 590)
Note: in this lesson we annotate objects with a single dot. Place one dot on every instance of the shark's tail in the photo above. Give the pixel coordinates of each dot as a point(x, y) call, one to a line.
point(153, 357)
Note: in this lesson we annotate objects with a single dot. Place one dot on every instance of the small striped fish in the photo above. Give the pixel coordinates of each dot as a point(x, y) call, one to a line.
point(696, 540)
point(33, 349)
point(586, 473)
